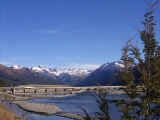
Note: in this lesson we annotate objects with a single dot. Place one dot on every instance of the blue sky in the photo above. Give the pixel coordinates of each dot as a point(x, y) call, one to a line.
point(57, 32)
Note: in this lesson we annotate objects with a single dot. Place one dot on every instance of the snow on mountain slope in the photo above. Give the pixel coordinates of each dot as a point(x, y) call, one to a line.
point(73, 70)
point(104, 75)
point(112, 65)
point(78, 74)
point(17, 67)
point(42, 69)
point(76, 70)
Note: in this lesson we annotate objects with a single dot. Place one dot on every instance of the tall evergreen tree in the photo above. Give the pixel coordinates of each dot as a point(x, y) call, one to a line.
point(144, 97)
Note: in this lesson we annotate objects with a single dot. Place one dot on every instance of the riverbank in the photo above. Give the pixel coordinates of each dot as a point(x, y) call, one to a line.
point(37, 108)
point(6, 114)
point(5, 111)
point(46, 109)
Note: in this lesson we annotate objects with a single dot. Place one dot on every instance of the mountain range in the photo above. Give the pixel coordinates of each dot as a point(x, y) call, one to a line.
point(79, 75)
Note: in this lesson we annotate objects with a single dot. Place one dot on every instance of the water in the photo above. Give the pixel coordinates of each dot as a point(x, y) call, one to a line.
point(75, 104)
point(41, 117)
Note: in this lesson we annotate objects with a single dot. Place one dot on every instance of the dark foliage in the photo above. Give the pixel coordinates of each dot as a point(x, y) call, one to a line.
point(143, 96)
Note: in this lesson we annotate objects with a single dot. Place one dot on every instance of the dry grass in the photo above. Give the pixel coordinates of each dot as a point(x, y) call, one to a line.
point(6, 114)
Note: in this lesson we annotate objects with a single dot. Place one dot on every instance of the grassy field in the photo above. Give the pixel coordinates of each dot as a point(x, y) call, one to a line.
point(6, 114)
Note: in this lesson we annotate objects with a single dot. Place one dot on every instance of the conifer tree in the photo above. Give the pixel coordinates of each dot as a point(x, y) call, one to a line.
point(143, 97)
point(143, 103)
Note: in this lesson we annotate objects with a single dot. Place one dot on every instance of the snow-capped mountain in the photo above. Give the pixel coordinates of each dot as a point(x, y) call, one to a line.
point(112, 65)
point(106, 74)
point(17, 67)
point(79, 70)
point(66, 75)
point(71, 75)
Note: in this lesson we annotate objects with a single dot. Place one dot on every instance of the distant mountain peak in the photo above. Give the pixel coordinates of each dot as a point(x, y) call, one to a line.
point(17, 67)
point(111, 65)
